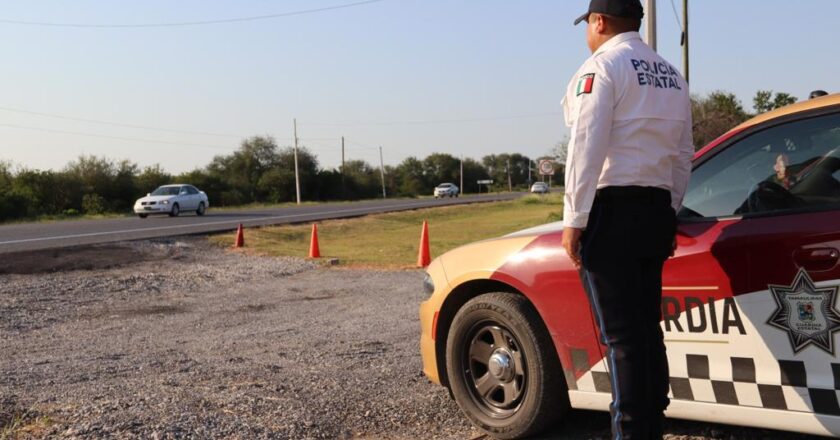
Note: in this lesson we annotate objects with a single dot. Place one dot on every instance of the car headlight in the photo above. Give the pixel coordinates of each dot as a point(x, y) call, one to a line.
point(428, 284)
point(164, 202)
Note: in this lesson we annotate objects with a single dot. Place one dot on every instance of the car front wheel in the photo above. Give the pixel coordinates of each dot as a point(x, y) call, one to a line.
point(201, 209)
point(503, 368)
point(175, 210)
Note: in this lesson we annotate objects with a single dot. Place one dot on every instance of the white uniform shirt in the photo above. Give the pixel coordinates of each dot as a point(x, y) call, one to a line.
point(630, 117)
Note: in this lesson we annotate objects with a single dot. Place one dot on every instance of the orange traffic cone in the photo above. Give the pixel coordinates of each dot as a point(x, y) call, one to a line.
point(314, 249)
point(424, 258)
point(240, 237)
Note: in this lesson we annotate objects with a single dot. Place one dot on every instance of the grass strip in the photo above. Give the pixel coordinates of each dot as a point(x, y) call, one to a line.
point(391, 240)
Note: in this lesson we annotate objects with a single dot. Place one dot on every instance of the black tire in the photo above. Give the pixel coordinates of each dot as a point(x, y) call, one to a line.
point(142, 215)
point(176, 210)
point(524, 387)
point(201, 209)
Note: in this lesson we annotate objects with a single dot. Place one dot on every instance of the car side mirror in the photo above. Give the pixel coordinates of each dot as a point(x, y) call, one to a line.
point(148, 194)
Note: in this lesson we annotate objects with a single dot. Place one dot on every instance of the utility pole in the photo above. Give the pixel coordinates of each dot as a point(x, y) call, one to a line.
point(343, 185)
point(297, 174)
point(650, 28)
point(529, 171)
point(510, 182)
point(685, 40)
point(382, 173)
point(461, 188)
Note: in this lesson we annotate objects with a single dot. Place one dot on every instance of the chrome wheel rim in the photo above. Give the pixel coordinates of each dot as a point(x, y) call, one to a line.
point(495, 369)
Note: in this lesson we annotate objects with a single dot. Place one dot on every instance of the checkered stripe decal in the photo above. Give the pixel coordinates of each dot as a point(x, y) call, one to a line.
point(789, 392)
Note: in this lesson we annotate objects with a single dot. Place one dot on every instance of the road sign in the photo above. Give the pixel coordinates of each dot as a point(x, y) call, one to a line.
point(547, 167)
point(485, 182)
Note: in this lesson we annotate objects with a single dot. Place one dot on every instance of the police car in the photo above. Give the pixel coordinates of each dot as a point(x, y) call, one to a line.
point(749, 310)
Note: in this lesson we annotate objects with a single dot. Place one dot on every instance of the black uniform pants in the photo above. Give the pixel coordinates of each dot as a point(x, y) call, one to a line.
point(626, 242)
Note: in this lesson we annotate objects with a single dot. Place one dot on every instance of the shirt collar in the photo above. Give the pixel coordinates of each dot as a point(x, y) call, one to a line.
point(616, 40)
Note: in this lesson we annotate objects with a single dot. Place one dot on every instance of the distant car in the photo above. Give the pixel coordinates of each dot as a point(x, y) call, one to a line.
point(540, 188)
point(172, 200)
point(447, 190)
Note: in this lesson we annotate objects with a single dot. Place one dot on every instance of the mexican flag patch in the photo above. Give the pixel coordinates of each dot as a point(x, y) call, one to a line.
point(585, 84)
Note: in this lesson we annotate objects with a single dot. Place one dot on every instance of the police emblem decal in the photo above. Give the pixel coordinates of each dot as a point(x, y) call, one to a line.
point(585, 84)
point(806, 313)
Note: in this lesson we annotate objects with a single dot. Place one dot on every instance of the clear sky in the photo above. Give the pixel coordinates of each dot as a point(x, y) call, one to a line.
point(395, 73)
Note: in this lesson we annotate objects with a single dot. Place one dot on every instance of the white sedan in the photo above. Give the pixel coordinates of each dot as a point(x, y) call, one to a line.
point(447, 190)
point(540, 188)
point(172, 200)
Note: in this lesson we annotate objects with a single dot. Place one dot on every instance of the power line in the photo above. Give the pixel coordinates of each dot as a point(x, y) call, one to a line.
point(363, 146)
point(188, 23)
point(438, 121)
point(118, 124)
point(677, 16)
point(102, 136)
point(137, 126)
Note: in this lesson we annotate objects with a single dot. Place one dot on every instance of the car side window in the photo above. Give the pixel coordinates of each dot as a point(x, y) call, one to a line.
point(789, 167)
point(192, 190)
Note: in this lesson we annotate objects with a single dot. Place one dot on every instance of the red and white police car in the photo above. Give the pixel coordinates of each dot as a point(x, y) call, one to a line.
point(750, 310)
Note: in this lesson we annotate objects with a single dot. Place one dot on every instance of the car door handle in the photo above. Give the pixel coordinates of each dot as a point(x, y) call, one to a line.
point(817, 258)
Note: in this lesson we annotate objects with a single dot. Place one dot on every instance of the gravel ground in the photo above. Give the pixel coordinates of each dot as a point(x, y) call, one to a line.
point(184, 340)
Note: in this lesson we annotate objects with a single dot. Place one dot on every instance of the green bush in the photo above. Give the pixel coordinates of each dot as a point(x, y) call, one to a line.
point(93, 204)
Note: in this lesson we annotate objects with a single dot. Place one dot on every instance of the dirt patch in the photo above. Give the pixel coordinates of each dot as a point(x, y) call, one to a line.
point(153, 310)
point(99, 257)
point(255, 308)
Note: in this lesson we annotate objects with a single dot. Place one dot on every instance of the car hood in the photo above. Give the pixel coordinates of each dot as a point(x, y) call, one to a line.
point(154, 198)
point(547, 228)
point(487, 258)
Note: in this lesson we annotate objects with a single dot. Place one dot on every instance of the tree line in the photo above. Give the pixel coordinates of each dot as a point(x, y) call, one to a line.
point(260, 171)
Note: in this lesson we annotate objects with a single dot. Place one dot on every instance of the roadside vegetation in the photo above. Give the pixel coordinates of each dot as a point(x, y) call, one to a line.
point(261, 172)
point(22, 425)
point(391, 240)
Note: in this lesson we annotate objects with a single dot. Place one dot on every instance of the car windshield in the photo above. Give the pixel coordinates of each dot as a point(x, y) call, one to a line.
point(444, 185)
point(791, 166)
point(167, 191)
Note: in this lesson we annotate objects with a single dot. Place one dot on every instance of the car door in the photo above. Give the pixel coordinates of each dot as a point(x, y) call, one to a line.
point(760, 236)
point(185, 199)
point(195, 196)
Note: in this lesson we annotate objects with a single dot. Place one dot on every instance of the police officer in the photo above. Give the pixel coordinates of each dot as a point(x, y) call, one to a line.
point(627, 169)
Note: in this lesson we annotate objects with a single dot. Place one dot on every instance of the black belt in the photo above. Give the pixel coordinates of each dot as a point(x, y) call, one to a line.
point(636, 193)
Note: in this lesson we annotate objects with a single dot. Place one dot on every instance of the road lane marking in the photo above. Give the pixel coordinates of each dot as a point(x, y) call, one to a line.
point(196, 225)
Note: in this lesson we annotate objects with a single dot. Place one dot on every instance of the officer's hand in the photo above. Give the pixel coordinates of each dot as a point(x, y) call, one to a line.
point(571, 242)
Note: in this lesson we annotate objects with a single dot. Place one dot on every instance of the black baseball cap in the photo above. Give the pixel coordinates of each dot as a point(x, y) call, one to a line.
point(616, 8)
point(817, 94)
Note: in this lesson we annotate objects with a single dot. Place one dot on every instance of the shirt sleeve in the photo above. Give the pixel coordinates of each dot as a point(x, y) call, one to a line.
point(682, 169)
point(589, 140)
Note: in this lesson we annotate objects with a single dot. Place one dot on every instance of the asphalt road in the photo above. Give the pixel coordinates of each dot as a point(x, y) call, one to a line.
point(48, 235)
